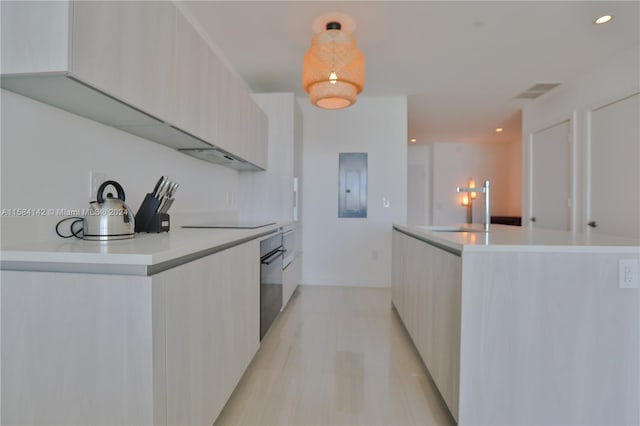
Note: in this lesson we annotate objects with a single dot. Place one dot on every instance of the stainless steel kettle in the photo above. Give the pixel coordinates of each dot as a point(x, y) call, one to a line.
point(108, 218)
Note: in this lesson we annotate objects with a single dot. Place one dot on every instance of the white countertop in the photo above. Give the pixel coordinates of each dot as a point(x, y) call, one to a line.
point(137, 256)
point(515, 238)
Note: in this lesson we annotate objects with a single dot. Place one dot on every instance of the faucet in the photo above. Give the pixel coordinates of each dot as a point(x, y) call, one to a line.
point(484, 189)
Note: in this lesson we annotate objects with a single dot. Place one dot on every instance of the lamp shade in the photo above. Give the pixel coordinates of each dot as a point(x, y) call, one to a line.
point(333, 69)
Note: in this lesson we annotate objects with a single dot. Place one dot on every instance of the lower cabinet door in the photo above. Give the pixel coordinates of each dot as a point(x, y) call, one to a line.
point(426, 291)
point(291, 279)
point(211, 316)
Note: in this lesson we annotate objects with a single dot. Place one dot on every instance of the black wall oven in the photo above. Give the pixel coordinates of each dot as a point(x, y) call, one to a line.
point(271, 262)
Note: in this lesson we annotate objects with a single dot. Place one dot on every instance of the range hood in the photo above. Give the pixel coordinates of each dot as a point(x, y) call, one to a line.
point(66, 92)
point(219, 156)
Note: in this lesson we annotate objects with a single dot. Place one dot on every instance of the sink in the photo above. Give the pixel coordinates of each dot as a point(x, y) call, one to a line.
point(450, 228)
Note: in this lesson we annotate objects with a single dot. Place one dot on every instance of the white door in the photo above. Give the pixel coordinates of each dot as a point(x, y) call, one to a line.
point(614, 166)
point(551, 177)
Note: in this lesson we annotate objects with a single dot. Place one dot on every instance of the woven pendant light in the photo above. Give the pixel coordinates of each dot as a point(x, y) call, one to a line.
point(333, 69)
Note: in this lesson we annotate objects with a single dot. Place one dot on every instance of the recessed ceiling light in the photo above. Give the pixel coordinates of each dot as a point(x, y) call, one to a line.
point(499, 129)
point(603, 19)
point(413, 140)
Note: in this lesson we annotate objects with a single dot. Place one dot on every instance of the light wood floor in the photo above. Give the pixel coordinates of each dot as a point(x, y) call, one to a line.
point(336, 356)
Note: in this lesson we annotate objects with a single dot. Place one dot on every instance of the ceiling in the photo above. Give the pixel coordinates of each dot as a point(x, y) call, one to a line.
point(460, 63)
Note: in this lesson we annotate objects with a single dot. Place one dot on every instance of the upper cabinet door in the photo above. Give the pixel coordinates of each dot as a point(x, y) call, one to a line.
point(126, 50)
point(191, 81)
point(35, 36)
point(258, 134)
point(143, 67)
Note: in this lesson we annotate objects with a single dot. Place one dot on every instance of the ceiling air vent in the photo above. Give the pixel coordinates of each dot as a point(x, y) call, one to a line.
point(537, 90)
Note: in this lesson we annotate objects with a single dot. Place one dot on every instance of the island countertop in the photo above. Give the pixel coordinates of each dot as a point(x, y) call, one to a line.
point(146, 254)
point(515, 238)
point(536, 320)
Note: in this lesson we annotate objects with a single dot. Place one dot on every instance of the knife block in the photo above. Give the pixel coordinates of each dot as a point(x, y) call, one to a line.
point(148, 219)
point(159, 223)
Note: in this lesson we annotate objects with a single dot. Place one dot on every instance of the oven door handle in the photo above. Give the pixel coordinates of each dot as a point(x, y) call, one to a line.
point(272, 258)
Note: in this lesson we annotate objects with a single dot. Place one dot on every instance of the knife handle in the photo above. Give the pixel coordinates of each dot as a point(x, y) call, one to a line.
point(156, 189)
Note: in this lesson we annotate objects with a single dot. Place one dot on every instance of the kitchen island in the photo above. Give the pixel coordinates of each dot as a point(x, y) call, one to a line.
point(154, 330)
point(522, 326)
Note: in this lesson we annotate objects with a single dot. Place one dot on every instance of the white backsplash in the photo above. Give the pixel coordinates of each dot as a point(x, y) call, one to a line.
point(47, 155)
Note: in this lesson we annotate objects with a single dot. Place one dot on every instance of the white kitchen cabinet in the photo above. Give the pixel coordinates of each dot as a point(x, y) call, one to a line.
point(128, 49)
point(81, 349)
point(212, 320)
point(91, 348)
point(426, 291)
point(505, 323)
point(256, 123)
point(191, 84)
point(398, 265)
point(35, 37)
point(241, 115)
point(139, 66)
point(270, 194)
point(291, 279)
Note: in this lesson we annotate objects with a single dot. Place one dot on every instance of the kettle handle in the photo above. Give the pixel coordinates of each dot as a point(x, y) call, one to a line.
point(116, 185)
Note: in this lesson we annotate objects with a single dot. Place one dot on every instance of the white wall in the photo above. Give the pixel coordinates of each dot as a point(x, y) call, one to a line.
point(454, 163)
point(435, 170)
point(614, 79)
point(350, 251)
point(47, 154)
point(419, 185)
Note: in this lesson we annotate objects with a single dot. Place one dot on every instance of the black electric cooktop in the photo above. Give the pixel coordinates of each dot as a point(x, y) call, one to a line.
point(231, 225)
